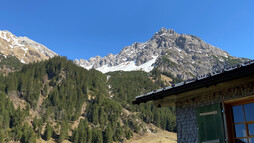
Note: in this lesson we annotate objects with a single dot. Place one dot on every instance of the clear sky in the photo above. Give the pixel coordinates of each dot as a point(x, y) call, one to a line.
point(86, 28)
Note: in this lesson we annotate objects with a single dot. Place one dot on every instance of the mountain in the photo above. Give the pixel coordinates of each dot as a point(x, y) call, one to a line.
point(182, 55)
point(55, 100)
point(23, 48)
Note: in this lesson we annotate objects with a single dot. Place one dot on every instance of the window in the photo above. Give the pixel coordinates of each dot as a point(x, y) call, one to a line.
point(240, 120)
point(243, 120)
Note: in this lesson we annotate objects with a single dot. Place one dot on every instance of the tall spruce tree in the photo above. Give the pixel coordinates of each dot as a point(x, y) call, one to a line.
point(49, 132)
point(108, 135)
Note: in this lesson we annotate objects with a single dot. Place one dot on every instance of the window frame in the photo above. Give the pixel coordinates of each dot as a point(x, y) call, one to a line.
point(229, 117)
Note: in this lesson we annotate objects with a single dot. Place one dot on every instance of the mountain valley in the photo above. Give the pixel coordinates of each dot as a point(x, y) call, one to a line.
point(46, 97)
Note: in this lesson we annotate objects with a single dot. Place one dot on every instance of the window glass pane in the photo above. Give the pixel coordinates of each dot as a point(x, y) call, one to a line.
point(251, 140)
point(241, 140)
point(240, 130)
point(238, 113)
point(251, 129)
point(249, 111)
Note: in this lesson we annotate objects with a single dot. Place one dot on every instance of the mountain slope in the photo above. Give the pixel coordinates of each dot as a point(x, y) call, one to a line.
point(57, 100)
point(182, 55)
point(25, 49)
point(9, 64)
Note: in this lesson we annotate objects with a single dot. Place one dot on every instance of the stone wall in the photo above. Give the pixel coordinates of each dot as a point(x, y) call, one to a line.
point(187, 131)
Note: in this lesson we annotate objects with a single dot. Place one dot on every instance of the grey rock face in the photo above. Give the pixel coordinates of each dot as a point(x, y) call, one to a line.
point(25, 49)
point(39, 47)
point(182, 55)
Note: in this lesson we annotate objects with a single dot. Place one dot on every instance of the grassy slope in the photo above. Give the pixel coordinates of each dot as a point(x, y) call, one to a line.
point(161, 136)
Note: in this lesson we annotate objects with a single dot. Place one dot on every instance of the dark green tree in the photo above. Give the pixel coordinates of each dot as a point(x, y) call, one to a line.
point(75, 136)
point(97, 136)
point(63, 132)
point(48, 132)
point(1, 136)
point(129, 134)
point(108, 135)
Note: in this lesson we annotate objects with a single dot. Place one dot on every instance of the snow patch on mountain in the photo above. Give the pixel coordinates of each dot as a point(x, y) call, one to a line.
point(3, 35)
point(126, 66)
point(22, 61)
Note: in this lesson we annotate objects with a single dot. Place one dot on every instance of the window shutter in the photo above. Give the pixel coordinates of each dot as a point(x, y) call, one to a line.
point(210, 124)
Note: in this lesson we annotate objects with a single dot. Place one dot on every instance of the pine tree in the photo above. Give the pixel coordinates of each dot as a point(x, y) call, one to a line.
point(97, 136)
point(81, 132)
point(1, 136)
point(28, 135)
point(75, 136)
point(89, 135)
point(95, 114)
point(63, 132)
point(129, 134)
point(101, 117)
point(108, 136)
point(49, 132)
point(32, 138)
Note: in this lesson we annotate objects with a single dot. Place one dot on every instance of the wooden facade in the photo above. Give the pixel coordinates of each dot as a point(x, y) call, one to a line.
point(216, 108)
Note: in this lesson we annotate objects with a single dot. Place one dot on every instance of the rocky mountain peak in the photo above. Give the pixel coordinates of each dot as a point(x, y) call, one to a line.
point(165, 31)
point(25, 49)
point(164, 35)
point(162, 30)
point(181, 55)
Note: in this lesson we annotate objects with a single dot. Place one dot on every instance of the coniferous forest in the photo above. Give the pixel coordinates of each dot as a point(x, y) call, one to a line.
point(57, 100)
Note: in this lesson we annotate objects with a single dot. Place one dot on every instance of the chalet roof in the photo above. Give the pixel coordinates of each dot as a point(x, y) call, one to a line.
point(223, 75)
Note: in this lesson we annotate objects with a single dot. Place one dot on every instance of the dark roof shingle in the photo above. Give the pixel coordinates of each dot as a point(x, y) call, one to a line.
point(200, 81)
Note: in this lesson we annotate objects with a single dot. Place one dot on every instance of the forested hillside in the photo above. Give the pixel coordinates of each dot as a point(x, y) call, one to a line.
point(57, 100)
point(127, 85)
point(9, 64)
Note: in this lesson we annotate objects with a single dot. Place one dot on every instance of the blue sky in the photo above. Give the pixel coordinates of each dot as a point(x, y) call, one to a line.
point(86, 28)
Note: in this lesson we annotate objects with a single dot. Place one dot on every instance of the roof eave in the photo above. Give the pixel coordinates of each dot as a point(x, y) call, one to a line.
point(206, 82)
